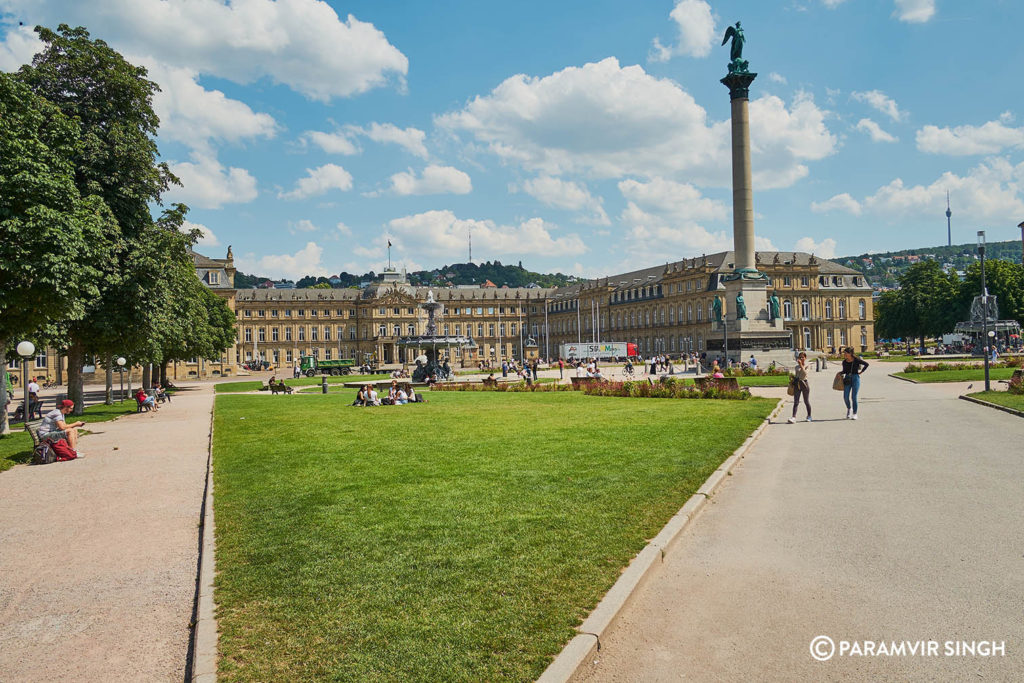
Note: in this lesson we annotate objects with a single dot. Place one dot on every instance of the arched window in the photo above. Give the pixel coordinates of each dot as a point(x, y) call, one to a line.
point(842, 308)
point(828, 309)
point(700, 312)
point(689, 312)
point(647, 318)
point(632, 319)
point(662, 315)
point(862, 309)
point(672, 343)
point(700, 342)
point(671, 315)
point(787, 309)
point(805, 310)
point(680, 313)
point(807, 338)
point(711, 310)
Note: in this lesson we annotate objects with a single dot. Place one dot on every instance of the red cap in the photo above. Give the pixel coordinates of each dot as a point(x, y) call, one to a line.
point(67, 404)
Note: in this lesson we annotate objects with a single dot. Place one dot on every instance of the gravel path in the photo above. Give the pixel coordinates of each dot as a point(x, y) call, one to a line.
point(98, 556)
point(903, 525)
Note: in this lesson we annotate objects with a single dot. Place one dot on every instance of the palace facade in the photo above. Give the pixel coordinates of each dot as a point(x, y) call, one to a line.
point(662, 309)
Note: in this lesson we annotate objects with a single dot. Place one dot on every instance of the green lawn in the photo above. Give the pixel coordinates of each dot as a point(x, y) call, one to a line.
point(957, 375)
point(459, 540)
point(1001, 398)
point(16, 447)
point(255, 384)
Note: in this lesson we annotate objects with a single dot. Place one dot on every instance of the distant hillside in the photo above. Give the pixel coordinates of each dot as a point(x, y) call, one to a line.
point(455, 274)
point(884, 268)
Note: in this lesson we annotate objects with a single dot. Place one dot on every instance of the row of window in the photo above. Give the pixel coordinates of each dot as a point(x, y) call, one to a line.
point(40, 361)
point(690, 344)
point(382, 311)
point(317, 333)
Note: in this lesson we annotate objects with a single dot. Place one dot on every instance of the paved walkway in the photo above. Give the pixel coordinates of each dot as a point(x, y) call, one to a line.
point(904, 525)
point(98, 556)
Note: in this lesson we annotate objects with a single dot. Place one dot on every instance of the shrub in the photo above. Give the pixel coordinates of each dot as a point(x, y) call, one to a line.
point(669, 388)
point(513, 387)
point(1016, 385)
point(940, 367)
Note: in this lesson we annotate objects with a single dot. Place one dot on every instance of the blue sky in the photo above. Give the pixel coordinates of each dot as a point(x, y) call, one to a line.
point(587, 137)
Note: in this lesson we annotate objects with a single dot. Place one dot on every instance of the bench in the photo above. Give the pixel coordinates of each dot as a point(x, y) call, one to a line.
point(724, 383)
point(42, 452)
point(578, 381)
point(280, 388)
point(141, 407)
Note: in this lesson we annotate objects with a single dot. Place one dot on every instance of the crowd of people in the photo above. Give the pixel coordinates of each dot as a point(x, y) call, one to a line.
point(397, 395)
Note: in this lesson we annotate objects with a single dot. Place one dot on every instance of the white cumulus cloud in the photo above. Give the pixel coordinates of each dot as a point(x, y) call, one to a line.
point(992, 191)
point(319, 181)
point(777, 78)
point(840, 202)
point(566, 194)
point(435, 180)
point(697, 33)
point(18, 47)
point(607, 121)
point(302, 44)
point(194, 116)
point(989, 138)
point(332, 143)
point(306, 261)
point(207, 239)
point(826, 248)
point(875, 131)
point(880, 101)
point(207, 184)
point(914, 11)
point(441, 234)
point(410, 139)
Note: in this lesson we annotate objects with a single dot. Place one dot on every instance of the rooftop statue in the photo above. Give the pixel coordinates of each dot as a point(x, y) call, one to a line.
point(736, 62)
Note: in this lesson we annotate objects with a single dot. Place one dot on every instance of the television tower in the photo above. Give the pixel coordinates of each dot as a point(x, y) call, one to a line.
point(470, 231)
point(949, 225)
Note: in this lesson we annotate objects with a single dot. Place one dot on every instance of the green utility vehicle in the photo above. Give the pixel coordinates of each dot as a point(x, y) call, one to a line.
point(310, 366)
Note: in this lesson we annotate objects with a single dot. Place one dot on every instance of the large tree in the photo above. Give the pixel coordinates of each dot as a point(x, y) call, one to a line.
point(50, 236)
point(924, 305)
point(117, 161)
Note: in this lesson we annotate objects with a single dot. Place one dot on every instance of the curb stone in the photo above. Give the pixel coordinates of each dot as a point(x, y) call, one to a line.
point(587, 642)
point(989, 404)
point(204, 635)
point(904, 379)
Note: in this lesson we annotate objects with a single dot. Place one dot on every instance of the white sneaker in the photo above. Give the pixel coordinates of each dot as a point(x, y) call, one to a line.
point(849, 414)
point(809, 419)
point(854, 416)
point(791, 420)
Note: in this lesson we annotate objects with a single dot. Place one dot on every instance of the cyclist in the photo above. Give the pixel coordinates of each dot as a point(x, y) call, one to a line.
point(628, 368)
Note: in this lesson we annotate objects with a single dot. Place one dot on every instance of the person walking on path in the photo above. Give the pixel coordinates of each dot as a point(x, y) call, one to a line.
point(561, 369)
point(853, 368)
point(800, 386)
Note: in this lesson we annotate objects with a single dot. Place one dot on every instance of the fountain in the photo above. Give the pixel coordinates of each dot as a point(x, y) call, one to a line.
point(430, 363)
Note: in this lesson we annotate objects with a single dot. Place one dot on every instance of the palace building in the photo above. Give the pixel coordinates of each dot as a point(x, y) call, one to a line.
point(662, 309)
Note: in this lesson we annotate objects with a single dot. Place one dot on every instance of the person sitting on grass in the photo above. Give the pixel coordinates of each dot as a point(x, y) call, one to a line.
point(413, 396)
point(144, 400)
point(372, 398)
point(53, 427)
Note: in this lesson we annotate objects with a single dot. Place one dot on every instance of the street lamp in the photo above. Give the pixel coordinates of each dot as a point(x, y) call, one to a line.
point(26, 350)
point(120, 371)
point(984, 307)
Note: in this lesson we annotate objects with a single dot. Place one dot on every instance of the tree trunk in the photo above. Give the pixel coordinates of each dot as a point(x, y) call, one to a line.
point(147, 377)
point(109, 395)
point(76, 359)
point(5, 427)
point(163, 372)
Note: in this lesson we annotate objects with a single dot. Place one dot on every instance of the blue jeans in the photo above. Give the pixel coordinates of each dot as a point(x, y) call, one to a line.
point(850, 392)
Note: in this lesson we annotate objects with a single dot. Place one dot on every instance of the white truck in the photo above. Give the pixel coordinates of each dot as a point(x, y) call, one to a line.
point(601, 351)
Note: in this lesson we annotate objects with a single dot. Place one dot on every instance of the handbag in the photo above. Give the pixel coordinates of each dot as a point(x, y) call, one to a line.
point(791, 389)
point(837, 383)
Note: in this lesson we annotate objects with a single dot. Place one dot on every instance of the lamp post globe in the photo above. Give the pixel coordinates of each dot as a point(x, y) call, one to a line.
point(26, 350)
point(120, 367)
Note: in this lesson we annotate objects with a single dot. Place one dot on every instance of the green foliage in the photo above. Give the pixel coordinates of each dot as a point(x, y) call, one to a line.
point(924, 305)
point(455, 274)
point(460, 539)
point(976, 374)
point(668, 388)
point(321, 285)
point(884, 271)
point(943, 367)
point(50, 236)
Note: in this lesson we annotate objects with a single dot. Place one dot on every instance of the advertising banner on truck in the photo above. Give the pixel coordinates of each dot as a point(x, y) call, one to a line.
point(603, 350)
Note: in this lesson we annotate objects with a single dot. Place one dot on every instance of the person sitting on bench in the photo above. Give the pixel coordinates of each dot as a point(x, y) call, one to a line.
point(54, 428)
point(145, 401)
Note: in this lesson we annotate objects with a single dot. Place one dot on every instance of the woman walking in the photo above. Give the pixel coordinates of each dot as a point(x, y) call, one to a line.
point(853, 368)
point(801, 387)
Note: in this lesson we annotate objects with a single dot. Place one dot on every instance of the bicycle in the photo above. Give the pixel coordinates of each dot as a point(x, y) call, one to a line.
point(628, 371)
